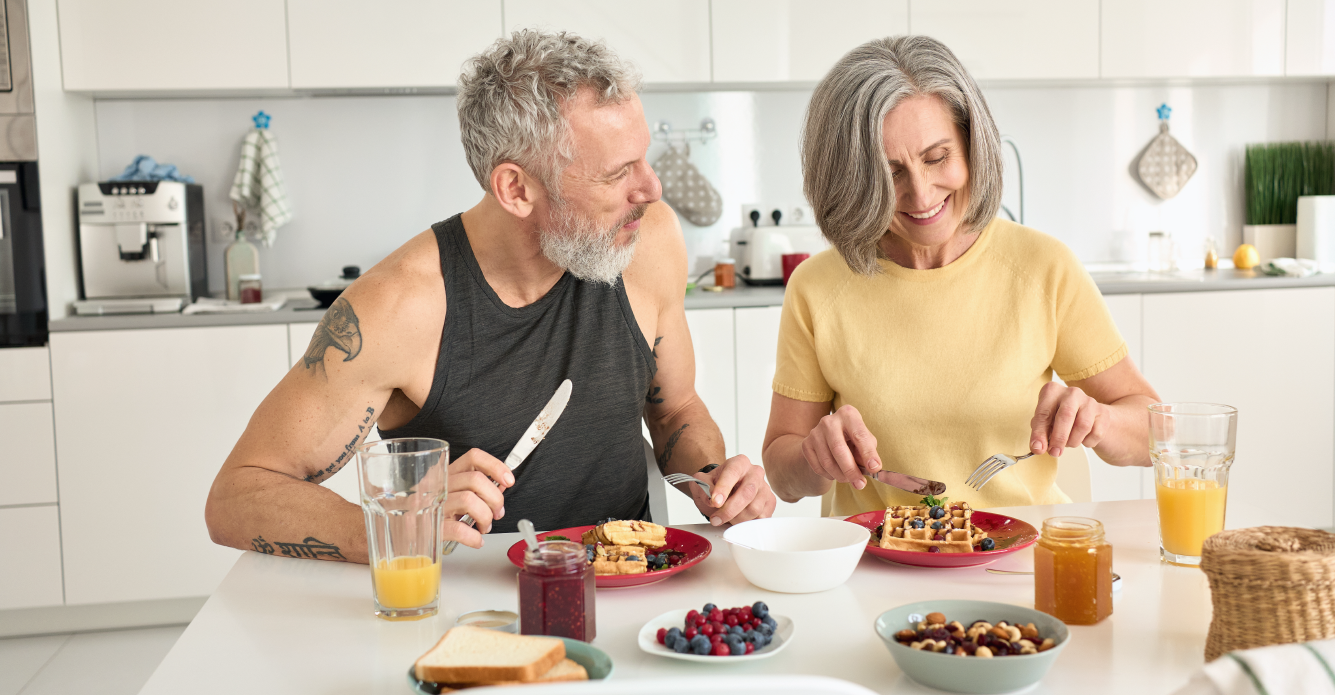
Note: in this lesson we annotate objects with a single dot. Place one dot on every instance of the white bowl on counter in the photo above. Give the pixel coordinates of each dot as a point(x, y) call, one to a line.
point(794, 555)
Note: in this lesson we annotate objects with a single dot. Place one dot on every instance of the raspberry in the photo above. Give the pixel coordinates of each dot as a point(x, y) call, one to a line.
point(721, 649)
point(662, 635)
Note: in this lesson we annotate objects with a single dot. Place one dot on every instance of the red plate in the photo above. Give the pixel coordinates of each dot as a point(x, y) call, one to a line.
point(695, 547)
point(1010, 534)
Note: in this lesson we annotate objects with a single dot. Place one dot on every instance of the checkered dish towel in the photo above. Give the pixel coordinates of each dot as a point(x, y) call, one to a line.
point(259, 183)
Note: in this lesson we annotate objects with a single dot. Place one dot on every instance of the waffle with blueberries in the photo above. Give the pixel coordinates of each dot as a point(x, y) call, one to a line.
point(933, 527)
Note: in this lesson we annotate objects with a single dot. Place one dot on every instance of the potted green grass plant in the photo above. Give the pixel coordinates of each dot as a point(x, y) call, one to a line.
point(1276, 175)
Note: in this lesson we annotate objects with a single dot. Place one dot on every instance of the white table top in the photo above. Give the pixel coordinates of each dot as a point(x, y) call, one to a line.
point(277, 625)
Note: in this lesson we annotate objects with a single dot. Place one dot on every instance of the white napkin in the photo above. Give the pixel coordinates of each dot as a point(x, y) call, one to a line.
point(1307, 668)
point(1291, 267)
point(209, 305)
point(259, 182)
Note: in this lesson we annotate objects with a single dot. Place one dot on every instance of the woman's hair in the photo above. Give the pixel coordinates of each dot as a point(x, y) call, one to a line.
point(846, 173)
point(510, 99)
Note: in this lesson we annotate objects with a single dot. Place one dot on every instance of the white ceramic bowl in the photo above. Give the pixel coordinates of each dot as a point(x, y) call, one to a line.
point(797, 555)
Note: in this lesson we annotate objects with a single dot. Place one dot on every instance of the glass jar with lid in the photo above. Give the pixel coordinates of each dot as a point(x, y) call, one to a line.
point(1073, 571)
point(250, 288)
point(556, 592)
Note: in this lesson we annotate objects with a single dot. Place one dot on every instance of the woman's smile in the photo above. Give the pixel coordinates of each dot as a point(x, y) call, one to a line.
point(928, 217)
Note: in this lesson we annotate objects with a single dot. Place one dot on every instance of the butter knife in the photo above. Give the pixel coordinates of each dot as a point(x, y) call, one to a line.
point(534, 435)
point(914, 484)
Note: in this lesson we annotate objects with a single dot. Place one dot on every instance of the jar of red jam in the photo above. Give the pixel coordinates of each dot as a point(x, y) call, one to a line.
point(556, 592)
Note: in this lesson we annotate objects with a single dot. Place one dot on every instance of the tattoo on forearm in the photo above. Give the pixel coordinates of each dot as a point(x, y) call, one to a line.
point(652, 396)
point(311, 548)
point(343, 458)
point(339, 329)
point(667, 448)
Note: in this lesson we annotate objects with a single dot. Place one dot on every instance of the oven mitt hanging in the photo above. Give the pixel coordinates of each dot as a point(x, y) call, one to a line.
point(685, 188)
point(1165, 165)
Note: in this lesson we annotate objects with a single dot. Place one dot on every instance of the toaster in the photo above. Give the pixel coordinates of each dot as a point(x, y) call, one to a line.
point(759, 251)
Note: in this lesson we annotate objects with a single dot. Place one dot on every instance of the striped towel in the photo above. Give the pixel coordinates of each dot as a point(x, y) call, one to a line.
point(1307, 668)
point(259, 183)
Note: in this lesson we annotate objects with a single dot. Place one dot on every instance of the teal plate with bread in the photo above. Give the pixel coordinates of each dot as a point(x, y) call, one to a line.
point(594, 660)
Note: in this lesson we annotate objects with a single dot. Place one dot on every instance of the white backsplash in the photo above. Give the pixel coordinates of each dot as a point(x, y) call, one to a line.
point(364, 174)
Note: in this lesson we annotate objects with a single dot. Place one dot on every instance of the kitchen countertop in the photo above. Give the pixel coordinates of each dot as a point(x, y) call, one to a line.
point(278, 625)
point(1110, 283)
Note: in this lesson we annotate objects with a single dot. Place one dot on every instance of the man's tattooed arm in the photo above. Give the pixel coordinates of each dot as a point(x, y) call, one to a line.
point(311, 549)
point(339, 329)
point(666, 456)
point(346, 455)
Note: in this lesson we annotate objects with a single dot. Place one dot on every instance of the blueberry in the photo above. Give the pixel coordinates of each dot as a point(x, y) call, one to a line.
point(673, 631)
point(681, 646)
point(738, 648)
point(988, 544)
point(736, 630)
point(732, 638)
point(701, 645)
point(709, 608)
point(749, 635)
point(762, 639)
point(760, 610)
point(771, 622)
point(937, 512)
point(917, 523)
point(765, 630)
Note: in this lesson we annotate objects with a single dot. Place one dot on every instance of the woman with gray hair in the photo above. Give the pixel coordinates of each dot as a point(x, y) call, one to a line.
point(927, 338)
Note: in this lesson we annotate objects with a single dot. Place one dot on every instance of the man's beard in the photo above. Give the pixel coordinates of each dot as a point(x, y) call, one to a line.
point(578, 244)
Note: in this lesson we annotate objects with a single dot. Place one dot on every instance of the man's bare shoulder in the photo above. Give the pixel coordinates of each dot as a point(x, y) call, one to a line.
point(407, 282)
point(659, 266)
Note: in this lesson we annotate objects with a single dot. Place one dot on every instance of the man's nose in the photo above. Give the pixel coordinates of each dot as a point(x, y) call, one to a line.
point(649, 189)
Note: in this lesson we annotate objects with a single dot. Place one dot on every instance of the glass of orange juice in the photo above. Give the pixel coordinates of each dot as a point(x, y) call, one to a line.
point(1191, 449)
point(403, 488)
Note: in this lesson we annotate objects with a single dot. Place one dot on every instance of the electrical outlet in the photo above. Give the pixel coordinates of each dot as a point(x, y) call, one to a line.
point(788, 214)
point(222, 231)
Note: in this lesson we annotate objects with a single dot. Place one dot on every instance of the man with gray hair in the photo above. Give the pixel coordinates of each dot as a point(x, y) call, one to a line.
point(569, 268)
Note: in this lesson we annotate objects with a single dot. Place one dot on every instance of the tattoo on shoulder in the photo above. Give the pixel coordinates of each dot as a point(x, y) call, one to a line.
point(311, 548)
point(666, 456)
point(339, 329)
point(321, 475)
point(652, 396)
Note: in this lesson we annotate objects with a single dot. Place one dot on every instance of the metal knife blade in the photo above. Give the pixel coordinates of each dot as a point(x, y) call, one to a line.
point(914, 484)
point(537, 431)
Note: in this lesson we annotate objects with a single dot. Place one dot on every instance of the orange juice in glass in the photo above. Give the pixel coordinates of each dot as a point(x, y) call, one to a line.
point(403, 487)
point(1191, 449)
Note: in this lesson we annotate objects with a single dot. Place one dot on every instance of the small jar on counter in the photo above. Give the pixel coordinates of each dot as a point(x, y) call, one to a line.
point(250, 289)
point(556, 592)
point(1073, 571)
point(725, 273)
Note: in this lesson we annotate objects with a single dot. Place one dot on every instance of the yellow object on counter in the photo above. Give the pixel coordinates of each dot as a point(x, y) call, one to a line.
point(406, 582)
point(1246, 257)
point(1190, 510)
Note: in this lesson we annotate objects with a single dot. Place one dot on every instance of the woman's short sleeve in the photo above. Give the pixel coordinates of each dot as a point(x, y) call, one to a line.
point(797, 372)
point(1088, 341)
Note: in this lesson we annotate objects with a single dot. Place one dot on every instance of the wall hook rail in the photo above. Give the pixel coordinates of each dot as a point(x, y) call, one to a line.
point(663, 132)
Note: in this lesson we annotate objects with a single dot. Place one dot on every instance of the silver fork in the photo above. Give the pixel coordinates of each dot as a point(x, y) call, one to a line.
point(679, 478)
point(992, 466)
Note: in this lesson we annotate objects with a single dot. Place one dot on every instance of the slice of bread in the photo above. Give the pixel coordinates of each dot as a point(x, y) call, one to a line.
point(564, 670)
point(473, 654)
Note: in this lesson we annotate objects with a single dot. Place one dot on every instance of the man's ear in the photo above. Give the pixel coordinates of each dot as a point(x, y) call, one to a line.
point(515, 190)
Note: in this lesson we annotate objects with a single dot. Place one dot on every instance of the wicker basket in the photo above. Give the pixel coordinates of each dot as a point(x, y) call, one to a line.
point(1270, 585)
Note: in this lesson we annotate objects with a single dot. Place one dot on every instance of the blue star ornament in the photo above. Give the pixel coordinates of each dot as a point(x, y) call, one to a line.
point(261, 120)
point(1163, 112)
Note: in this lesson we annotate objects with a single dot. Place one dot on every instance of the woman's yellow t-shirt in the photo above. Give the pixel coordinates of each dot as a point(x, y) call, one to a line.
point(945, 365)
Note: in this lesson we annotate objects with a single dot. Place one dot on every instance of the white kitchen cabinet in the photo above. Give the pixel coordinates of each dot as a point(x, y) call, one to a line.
point(1309, 38)
point(173, 45)
point(716, 369)
point(30, 546)
point(25, 374)
point(393, 43)
point(1015, 39)
point(1111, 483)
point(144, 420)
point(1192, 38)
point(1267, 353)
point(28, 464)
point(795, 40)
point(667, 40)
point(757, 351)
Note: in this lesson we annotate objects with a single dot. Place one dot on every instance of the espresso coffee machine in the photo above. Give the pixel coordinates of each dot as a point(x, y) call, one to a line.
point(141, 246)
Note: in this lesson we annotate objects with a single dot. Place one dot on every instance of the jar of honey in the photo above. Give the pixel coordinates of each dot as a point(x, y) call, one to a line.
point(556, 592)
point(1073, 571)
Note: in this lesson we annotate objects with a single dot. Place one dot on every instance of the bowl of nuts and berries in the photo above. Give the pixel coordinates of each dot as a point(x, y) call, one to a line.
point(972, 646)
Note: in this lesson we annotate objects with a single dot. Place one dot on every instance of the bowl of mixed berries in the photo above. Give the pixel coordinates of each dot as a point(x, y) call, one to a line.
point(715, 634)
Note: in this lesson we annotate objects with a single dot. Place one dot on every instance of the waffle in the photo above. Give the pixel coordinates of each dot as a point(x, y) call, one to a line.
point(640, 533)
point(958, 533)
point(619, 559)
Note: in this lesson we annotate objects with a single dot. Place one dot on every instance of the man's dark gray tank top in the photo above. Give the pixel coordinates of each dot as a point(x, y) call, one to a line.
point(499, 365)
